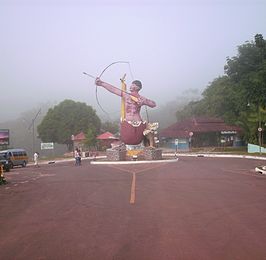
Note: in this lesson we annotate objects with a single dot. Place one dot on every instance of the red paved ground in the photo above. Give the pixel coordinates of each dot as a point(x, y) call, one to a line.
point(196, 208)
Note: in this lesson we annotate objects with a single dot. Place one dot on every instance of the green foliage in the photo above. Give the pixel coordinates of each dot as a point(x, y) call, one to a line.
point(247, 72)
point(112, 127)
point(66, 119)
point(193, 108)
point(91, 135)
point(244, 82)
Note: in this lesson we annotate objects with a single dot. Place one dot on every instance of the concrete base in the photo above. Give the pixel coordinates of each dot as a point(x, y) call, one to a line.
point(151, 153)
point(118, 153)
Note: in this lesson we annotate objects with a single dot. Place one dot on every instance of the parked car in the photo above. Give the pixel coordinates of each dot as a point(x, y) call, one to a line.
point(15, 157)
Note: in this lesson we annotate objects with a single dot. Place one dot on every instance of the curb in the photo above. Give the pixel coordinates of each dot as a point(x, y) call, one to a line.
point(133, 162)
point(216, 155)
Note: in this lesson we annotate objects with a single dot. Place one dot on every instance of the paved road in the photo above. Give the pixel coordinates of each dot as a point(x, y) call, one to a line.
point(196, 208)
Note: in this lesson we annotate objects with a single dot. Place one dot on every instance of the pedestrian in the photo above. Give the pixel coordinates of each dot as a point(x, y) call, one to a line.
point(36, 159)
point(77, 157)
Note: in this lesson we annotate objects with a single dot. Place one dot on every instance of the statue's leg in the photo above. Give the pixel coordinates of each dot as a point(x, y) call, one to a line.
point(150, 137)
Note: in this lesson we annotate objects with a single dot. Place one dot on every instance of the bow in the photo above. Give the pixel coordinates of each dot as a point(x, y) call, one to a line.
point(96, 89)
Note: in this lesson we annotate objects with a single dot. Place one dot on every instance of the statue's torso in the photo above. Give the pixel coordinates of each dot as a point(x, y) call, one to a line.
point(132, 109)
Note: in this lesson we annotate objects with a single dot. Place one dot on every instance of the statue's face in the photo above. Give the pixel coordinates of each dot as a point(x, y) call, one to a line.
point(134, 88)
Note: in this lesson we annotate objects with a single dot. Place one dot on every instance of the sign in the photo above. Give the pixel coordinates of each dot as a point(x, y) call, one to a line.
point(228, 132)
point(260, 129)
point(4, 136)
point(176, 141)
point(191, 134)
point(47, 146)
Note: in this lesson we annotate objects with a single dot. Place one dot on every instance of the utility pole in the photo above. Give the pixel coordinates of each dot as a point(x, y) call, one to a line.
point(33, 130)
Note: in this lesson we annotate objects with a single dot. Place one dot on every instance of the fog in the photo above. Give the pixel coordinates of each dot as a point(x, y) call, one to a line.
point(172, 47)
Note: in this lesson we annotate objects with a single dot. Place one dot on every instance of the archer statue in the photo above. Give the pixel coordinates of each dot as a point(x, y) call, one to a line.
point(132, 128)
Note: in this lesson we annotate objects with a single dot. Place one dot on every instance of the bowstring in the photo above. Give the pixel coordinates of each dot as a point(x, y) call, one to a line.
point(96, 90)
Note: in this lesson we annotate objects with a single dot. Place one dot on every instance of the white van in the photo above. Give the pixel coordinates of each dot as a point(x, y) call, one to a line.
point(16, 157)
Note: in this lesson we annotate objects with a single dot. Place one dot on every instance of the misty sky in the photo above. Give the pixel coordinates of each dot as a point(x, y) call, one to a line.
point(172, 46)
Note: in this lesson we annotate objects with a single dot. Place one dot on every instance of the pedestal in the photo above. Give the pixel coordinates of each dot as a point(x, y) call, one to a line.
point(151, 153)
point(116, 154)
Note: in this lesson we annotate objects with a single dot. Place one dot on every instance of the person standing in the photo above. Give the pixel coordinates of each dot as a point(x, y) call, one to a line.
point(77, 157)
point(36, 159)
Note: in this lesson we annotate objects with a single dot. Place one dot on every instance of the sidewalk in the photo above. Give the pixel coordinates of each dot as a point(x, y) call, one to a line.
point(58, 160)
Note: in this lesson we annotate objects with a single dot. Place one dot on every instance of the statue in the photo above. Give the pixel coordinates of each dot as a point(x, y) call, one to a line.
point(132, 128)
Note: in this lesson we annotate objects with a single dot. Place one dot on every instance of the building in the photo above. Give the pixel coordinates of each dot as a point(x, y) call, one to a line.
point(78, 140)
point(200, 132)
point(106, 139)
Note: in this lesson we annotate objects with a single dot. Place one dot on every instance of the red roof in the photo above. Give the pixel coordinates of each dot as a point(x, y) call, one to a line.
point(80, 137)
point(197, 125)
point(106, 136)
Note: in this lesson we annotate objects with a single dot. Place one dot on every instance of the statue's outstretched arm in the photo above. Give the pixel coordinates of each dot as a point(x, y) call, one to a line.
point(145, 101)
point(108, 87)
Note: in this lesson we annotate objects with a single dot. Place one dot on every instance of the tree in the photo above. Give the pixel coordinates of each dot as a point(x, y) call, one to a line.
point(66, 119)
point(247, 72)
point(193, 108)
point(91, 137)
point(244, 82)
point(112, 127)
